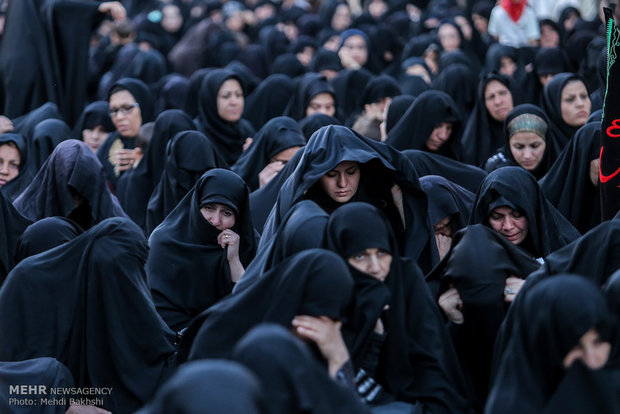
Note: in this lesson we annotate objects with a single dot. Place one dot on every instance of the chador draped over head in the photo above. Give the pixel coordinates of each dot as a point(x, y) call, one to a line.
point(44, 235)
point(381, 166)
point(187, 269)
point(70, 184)
point(92, 310)
point(13, 225)
point(446, 199)
point(516, 188)
point(416, 344)
point(227, 137)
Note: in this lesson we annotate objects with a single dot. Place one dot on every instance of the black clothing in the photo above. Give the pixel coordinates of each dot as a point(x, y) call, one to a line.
point(396, 110)
point(306, 88)
point(310, 124)
point(94, 114)
point(46, 136)
point(446, 199)
point(44, 235)
point(12, 189)
point(268, 100)
point(13, 225)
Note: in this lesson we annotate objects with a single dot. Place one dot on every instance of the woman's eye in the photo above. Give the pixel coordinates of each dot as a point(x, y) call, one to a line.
point(331, 174)
point(496, 217)
point(227, 213)
point(516, 214)
point(352, 171)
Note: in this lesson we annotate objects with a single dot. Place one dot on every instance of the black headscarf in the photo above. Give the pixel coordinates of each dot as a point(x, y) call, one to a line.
point(417, 344)
point(71, 169)
point(13, 225)
point(226, 137)
point(348, 88)
point(504, 157)
point(96, 113)
point(17, 185)
point(380, 87)
point(134, 188)
point(465, 175)
point(483, 135)
point(548, 321)
point(187, 268)
point(480, 284)
point(275, 136)
point(415, 127)
point(313, 282)
point(105, 329)
point(514, 187)
point(446, 199)
point(188, 155)
point(293, 381)
point(47, 135)
point(396, 110)
point(310, 124)
point(209, 387)
point(458, 81)
point(567, 185)
point(560, 133)
point(306, 88)
point(325, 59)
point(141, 93)
point(380, 165)
point(268, 100)
point(46, 234)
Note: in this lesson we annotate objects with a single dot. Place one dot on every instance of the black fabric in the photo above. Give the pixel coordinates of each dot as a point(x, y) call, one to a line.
point(547, 324)
point(380, 87)
point(567, 184)
point(12, 189)
point(483, 135)
point(268, 100)
point(465, 175)
point(416, 345)
point(458, 81)
point(480, 284)
point(44, 235)
point(187, 269)
point(189, 154)
point(348, 88)
point(507, 158)
point(548, 230)
point(134, 187)
point(94, 114)
point(415, 127)
point(72, 169)
point(36, 372)
point(396, 110)
point(313, 282)
point(275, 136)
point(381, 166)
point(44, 55)
point(446, 199)
point(226, 137)
point(13, 225)
point(209, 387)
point(46, 136)
point(310, 124)
point(25, 124)
point(293, 381)
point(93, 312)
point(325, 59)
point(306, 88)
point(560, 133)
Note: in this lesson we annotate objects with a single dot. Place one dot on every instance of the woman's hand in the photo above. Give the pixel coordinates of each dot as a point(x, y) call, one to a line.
point(230, 239)
point(6, 125)
point(125, 159)
point(271, 170)
point(397, 197)
point(347, 60)
point(443, 244)
point(115, 9)
point(513, 286)
point(326, 334)
point(451, 303)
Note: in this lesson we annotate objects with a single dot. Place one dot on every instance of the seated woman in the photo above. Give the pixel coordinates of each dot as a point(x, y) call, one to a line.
point(202, 248)
point(274, 145)
point(555, 351)
point(94, 125)
point(72, 184)
point(432, 123)
point(313, 94)
point(16, 171)
point(394, 332)
point(510, 202)
point(44, 235)
point(93, 312)
point(221, 103)
point(526, 129)
point(354, 49)
point(339, 166)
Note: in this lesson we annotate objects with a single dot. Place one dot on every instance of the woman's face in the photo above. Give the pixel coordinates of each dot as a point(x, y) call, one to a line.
point(498, 100)
point(449, 37)
point(508, 66)
point(341, 20)
point(230, 101)
point(548, 36)
point(94, 137)
point(509, 223)
point(285, 156)
point(9, 163)
point(575, 103)
point(443, 227)
point(171, 19)
point(322, 103)
point(218, 215)
point(528, 149)
point(372, 261)
point(591, 350)
point(439, 136)
point(356, 47)
point(480, 23)
point(341, 183)
point(125, 113)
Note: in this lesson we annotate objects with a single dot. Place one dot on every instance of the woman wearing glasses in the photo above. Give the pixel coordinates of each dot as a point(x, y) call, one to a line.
point(131, 105)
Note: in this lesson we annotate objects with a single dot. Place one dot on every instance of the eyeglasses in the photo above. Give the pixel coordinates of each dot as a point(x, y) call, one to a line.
point(123, 110)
